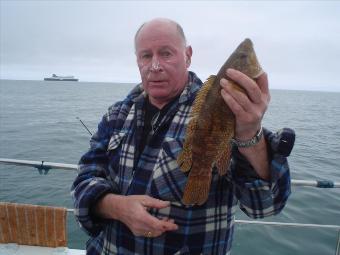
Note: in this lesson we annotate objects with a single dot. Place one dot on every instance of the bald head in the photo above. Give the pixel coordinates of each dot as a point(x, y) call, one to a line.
point(164, 23)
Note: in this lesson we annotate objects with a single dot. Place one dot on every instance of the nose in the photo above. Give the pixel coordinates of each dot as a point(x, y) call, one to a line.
point(155, 65)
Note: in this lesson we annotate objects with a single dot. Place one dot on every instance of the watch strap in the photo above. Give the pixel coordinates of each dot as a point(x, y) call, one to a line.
point(250, 142)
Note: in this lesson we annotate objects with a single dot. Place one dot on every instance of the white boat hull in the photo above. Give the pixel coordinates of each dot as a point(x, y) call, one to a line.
point(14, 249)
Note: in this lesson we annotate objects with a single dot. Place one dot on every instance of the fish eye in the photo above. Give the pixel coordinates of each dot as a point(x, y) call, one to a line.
point(243, 55)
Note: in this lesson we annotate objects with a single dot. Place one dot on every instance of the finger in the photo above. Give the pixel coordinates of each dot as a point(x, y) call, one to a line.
point(249, 85)
point(156, 224)
point(151, 233)
point(169, 225)
point(233, 105)
point(262, 82)
point(154, 203)
point(168, 220)
point(240, 97)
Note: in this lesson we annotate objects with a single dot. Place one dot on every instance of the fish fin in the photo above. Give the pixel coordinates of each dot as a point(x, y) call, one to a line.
point(198, 185)
point(196, 190)
point(184, 159)
point(201, 95)
point(223, 161)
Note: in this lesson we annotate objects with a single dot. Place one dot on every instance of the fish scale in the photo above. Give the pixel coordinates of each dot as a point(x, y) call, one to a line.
point(212, 126)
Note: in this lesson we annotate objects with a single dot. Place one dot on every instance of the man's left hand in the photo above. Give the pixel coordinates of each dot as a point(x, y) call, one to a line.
point(248, 108)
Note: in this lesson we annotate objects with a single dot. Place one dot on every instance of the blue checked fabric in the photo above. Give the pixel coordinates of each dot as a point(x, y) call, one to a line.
point(112, 165)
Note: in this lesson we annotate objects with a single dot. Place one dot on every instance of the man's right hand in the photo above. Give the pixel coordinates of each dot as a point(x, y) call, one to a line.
point(133, 212)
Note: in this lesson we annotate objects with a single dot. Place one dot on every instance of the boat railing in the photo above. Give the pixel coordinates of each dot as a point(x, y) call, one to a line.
point(44, 167)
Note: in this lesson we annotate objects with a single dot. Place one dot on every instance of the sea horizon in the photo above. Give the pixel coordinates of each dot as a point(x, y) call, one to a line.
point(132, 83)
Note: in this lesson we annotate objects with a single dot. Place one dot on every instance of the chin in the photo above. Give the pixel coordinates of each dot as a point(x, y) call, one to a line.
point(159, 97)
point(158, 93)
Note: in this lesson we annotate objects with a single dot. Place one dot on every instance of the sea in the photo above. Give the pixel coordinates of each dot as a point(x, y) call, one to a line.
point(39, 120)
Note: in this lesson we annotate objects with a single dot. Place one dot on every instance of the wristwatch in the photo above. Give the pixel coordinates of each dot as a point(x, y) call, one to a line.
point(250, 142)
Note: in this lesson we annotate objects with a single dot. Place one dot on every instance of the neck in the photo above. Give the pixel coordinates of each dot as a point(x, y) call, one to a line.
point(163, 104)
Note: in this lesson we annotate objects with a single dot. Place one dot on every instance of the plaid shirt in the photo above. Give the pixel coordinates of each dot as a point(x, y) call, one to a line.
point(113, 164)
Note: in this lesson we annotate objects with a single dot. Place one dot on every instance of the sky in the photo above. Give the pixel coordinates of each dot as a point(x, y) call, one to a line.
point(297, 42)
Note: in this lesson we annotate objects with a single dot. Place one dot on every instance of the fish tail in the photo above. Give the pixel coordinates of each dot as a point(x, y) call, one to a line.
point(196, 190)
point(223, 162)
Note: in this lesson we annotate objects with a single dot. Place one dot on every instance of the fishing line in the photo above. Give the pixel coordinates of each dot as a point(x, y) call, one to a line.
point(84, 125)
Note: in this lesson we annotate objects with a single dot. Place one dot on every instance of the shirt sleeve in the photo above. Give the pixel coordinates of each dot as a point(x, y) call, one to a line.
point(92, 183)
point(260, 198)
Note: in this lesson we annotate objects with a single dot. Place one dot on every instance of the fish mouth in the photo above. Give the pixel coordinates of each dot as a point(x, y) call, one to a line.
point(260, 72)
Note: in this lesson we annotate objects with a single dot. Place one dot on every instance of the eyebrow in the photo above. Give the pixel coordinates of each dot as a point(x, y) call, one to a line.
point(162, 48)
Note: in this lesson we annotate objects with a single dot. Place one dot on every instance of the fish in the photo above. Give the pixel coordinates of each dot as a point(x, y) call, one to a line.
point(207, 143)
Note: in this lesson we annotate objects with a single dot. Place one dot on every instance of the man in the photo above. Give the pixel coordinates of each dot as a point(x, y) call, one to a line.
point(128, 192)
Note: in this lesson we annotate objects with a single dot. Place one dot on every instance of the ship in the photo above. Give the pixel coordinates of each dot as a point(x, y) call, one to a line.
point(55, 77)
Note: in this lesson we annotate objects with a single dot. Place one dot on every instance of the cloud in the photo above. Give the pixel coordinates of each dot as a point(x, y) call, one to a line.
point(297, 42)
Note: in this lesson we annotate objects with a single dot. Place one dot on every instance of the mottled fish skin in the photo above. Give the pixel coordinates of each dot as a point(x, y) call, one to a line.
point(212, 126)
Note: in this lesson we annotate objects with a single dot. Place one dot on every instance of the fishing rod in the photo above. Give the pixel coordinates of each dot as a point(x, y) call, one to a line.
point(84, 125)
point(46, 166)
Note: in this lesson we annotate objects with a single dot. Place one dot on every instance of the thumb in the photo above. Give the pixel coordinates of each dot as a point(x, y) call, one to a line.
point(154, 203)
point(262, 82)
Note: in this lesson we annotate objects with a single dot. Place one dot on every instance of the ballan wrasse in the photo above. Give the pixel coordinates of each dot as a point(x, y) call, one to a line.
point(210, 130)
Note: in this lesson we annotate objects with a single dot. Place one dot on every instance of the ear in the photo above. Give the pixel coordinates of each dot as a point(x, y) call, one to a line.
point(188, 54)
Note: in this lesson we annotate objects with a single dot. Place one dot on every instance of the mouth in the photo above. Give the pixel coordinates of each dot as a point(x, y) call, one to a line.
point(156, 82)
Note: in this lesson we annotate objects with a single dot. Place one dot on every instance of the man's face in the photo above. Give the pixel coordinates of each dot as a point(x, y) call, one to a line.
point(162, 60)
